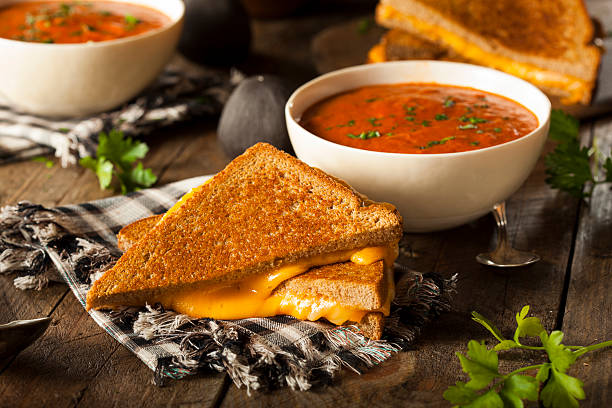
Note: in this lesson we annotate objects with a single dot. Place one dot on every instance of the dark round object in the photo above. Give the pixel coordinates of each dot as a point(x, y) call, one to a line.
point(255, 112)
point(215, 32)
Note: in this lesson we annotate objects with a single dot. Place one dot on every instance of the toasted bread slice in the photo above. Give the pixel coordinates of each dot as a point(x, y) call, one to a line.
point(362, 288)
point(397, 45)
point(545, 42)
point(265, 218)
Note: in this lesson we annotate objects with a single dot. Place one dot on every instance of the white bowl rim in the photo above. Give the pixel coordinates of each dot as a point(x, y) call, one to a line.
point(96, 44)
point(424, 156)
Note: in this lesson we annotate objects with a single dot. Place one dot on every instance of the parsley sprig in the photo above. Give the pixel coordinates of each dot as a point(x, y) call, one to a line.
point(570, 167)
point(488, 387)
point(116, 155)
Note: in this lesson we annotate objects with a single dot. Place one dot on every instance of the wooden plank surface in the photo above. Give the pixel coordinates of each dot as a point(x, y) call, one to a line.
point(76, 364)
point(588, 312)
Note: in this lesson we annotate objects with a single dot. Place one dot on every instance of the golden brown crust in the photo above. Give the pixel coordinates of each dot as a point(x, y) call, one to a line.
point(265, 209)
point(362, 287)
point(130, 234)
point(372, 325)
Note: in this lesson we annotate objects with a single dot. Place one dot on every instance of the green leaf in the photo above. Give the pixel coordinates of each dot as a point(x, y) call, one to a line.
point(543, 372)
point(560, 356)
point(477, 317)
point(562, 391)
point(527, 326)
point(489, 399)
point(123, 151)
point(137, 178)
point(568, 168)
point(480, 364)
point(102, 167)
point(563, 127)
point(459, 394)
point(523, 386)
point(505, 345)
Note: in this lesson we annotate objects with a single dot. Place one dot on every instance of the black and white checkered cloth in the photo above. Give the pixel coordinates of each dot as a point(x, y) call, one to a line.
point(180, 93)
point(77, 243)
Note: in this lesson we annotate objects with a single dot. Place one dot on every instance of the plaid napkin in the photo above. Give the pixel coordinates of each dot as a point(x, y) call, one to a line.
point(181, 92)
point(77, 243)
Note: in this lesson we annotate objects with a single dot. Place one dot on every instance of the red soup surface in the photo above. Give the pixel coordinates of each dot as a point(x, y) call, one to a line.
point(76, 22)
point(418, 118)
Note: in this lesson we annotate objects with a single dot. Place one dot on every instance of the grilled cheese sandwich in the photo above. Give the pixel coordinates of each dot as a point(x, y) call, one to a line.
point(442, 24)
point(215, 255)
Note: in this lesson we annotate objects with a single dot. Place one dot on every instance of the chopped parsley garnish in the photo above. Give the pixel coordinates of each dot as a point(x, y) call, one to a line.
point(474, 119)
point(426, 123)
point(131, 21)
point(468, 126)
point(475, 143)
point(389, 134)
point(409, 109)
point(365, 135)
point(464, 118)
point(481, 106)
point(105, 13)
point(441, 116)
point(372, 100)
point(410, 118)
point(497, 130)
point(373, 121)
point(437, 142)
point(479, 131)
point(449, 102)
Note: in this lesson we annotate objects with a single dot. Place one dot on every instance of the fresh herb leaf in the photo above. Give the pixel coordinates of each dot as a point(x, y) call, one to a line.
point(426, 123)
point(441, 116)
point(563, 127)
point(102, 167)
point(568, 168)
point(409, 118)
point(116, 155)
point(562, 390)
point(480, 364)
point(365, 135)
point(475, 142)
point(490, 388)
point(527, 326)
point(449, 102)
point(468, 126)
point(497, 130)
point(372, 100)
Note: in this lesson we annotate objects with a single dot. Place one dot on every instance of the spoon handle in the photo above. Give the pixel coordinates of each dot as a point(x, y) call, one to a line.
point(499, 212)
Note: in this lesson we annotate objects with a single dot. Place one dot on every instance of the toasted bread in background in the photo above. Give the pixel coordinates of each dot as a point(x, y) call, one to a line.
point(545, 42)
point(265, 210)
point(397, 45)
point(362, 287)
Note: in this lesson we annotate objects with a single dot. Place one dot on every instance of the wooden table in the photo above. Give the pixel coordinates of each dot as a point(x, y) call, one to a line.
point(77, 364)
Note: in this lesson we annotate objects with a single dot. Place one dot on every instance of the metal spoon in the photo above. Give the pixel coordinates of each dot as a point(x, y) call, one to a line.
point(19, 334)
point(504, 255)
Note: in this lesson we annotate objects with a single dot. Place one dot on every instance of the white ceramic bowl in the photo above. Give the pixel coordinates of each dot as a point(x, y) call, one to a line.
point(431, 191)
point(71, 80)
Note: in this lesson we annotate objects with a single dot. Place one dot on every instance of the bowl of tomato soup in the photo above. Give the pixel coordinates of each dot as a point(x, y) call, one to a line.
point(442, 141)
point(75, 58)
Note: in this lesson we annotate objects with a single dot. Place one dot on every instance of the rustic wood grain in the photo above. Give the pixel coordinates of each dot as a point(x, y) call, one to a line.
point(588, 312)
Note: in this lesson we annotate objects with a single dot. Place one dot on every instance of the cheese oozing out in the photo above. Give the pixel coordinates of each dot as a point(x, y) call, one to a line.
point(254, 297)
point(574, 86)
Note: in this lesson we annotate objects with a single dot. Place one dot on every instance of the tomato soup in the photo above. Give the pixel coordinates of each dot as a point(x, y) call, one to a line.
point(76, 22)
point(418, 118)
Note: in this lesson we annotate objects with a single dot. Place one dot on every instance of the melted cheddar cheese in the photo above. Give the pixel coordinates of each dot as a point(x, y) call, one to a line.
point(253, 297)
point(575, 87)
